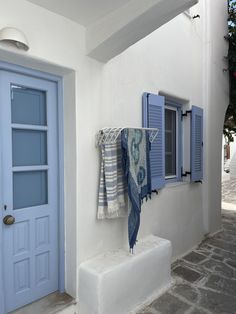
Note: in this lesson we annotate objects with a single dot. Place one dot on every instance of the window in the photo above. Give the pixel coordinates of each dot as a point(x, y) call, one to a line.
point(173, 146)
point(166, 151)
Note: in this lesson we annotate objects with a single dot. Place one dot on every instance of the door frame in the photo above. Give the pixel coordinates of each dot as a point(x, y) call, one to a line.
point(60, 132)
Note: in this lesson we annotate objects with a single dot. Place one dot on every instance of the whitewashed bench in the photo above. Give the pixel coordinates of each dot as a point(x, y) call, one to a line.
point(119, 282)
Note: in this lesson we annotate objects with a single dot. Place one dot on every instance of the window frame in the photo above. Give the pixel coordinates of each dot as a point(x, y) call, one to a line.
point(173, 105)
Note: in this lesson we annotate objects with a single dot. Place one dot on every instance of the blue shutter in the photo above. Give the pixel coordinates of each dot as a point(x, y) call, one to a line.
point(153, 117)
point(196, 144)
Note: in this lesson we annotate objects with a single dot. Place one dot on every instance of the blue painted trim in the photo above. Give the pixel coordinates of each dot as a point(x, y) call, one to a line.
point(34, 73)
point(2, 279)
point(196, 175)
point(148, 100)
point(59, 80)
point(61, 283)
point(2, 284)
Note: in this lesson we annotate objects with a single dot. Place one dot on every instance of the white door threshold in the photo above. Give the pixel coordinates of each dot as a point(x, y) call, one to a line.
point(53, 303)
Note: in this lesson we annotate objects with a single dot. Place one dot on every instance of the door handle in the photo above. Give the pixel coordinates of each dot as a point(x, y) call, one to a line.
point(9, 220)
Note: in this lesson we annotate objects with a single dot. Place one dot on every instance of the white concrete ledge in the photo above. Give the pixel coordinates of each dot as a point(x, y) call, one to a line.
point(119, 282)
point(122, 28)
point(228, 206)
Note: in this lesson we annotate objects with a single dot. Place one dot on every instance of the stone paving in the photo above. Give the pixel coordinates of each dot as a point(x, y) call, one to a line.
point(205, 278)
point(229, 191)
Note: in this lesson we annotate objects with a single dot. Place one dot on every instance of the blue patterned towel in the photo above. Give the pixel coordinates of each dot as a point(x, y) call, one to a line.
point(136, 163)
point(112, 195)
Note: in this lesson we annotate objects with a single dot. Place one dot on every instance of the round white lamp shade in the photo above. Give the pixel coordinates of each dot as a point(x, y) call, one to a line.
point(15, 36)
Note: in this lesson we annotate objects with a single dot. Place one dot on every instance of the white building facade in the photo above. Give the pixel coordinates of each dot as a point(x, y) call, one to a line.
point(183, 61)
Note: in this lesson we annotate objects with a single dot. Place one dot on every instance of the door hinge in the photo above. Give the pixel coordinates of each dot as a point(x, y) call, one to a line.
point(186, 113)
point(186, 173)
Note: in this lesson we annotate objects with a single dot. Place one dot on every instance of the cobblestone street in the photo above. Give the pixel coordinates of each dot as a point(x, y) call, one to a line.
point(205, 279)
point(229, 191)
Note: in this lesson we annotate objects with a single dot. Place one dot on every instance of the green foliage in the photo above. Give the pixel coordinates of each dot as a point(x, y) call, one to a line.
point(230, 117)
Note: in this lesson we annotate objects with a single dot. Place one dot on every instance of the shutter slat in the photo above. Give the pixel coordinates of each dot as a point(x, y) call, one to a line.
point(196, 144)
point(153, 117)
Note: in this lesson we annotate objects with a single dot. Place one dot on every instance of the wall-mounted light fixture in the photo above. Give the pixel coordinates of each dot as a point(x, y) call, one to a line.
point(14, 36)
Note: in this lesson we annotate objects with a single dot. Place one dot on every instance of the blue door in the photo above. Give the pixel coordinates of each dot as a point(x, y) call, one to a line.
point(29, 188)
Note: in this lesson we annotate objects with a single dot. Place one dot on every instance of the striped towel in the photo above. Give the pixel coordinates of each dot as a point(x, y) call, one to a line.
point(112, 195)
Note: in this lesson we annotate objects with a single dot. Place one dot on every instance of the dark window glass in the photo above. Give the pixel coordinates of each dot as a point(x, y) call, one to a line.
point(170, 142)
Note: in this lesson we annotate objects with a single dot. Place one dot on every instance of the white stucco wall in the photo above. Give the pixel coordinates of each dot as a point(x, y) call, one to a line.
point(232, 153)
point(232, 160)
point(215, 89)
point(154, 65)
point(233, 147)
point(179, 59)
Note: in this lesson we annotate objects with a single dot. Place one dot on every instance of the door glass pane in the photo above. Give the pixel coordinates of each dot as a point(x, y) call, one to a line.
point(29, 147)
point(28, 106)
point(30, 189)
